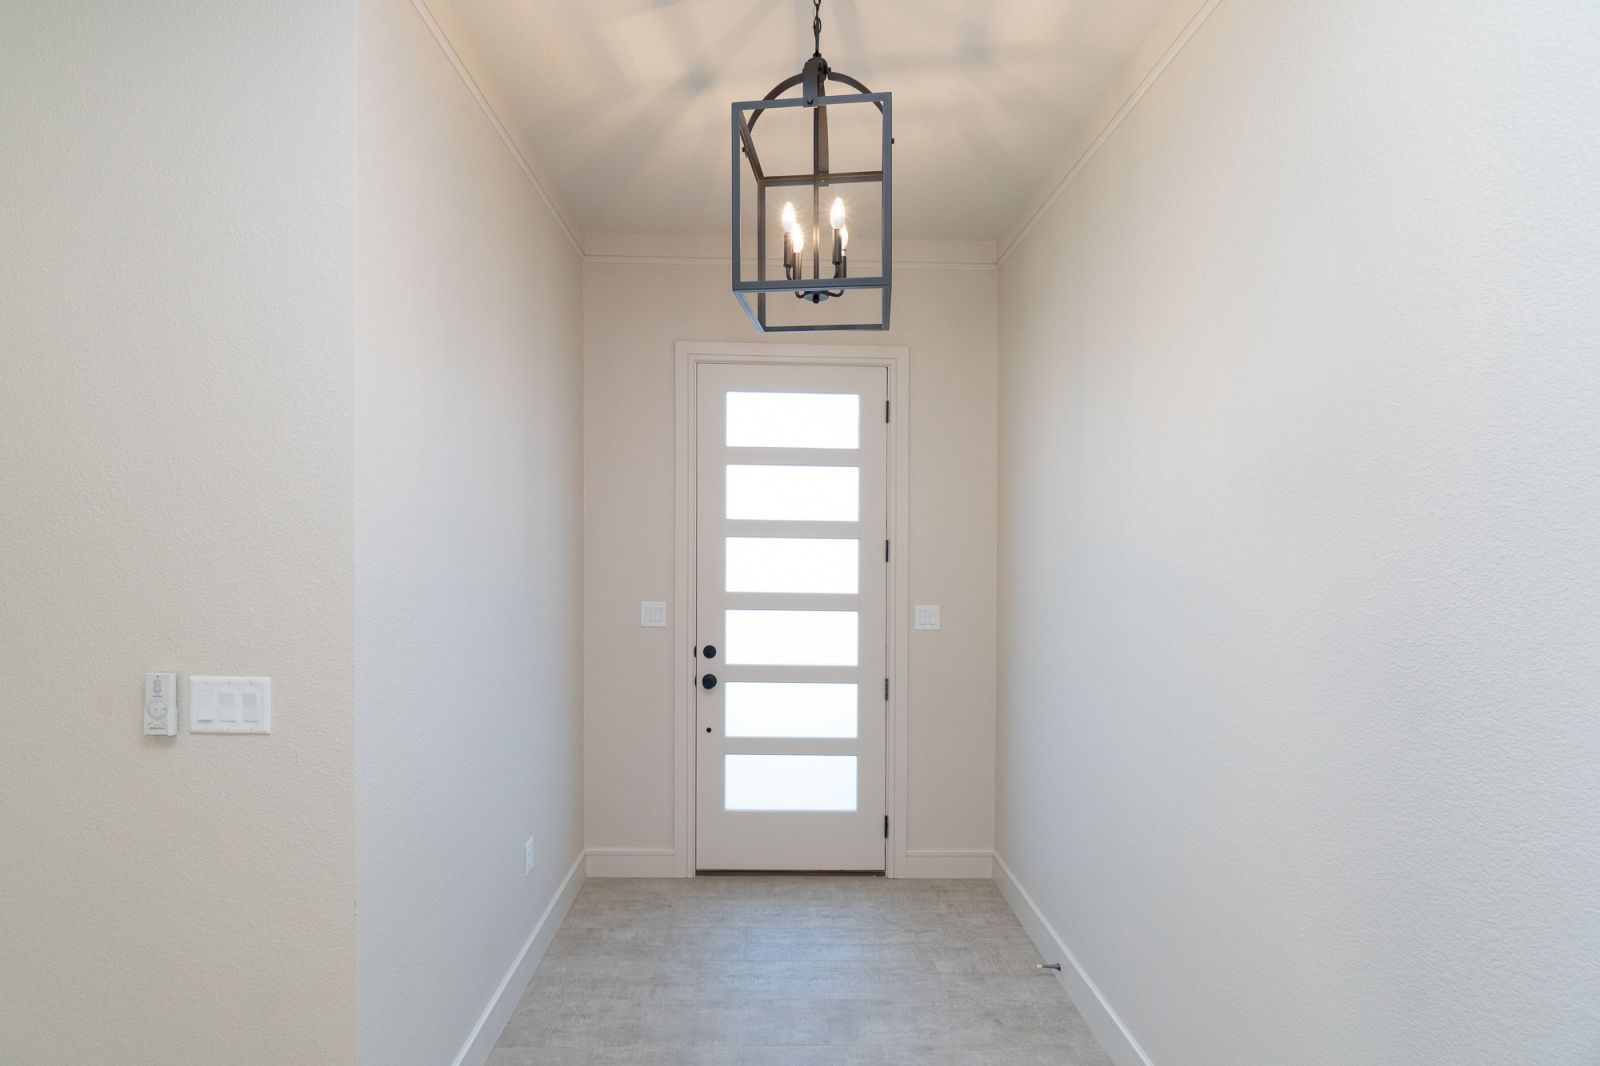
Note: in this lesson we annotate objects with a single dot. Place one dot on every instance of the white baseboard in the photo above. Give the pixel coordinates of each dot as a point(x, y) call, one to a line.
point(1108, 1028)
point(948, 862)
point(632, 862)
point(475, 1052)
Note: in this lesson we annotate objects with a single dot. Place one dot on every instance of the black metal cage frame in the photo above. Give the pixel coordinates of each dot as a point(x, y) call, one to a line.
point(815, 289)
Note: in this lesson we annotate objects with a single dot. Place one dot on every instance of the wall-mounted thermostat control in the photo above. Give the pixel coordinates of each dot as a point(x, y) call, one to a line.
point(230, 705)
point(160, 705)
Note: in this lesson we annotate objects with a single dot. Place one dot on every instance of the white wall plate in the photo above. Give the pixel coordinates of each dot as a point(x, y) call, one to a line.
point(230, 704)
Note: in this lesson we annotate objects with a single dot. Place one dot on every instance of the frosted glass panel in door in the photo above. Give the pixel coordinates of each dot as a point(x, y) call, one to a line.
point(792, 564)
point(789, 782)
point(794, 493)
point(777, 709)
point(794, 420)
point(791, 638)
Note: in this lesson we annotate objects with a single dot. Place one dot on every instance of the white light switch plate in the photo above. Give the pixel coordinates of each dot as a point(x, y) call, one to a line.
point(230, 705)
point(653, 614)
point(160, 705)
point(927, 616)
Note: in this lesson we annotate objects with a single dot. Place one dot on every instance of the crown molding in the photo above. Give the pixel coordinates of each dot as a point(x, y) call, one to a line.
point(711, 250)
point(1176, 27)
point(457, 46)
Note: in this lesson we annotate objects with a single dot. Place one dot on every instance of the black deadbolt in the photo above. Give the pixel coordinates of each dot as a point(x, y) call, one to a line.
point(709, 651)
point(709, 681)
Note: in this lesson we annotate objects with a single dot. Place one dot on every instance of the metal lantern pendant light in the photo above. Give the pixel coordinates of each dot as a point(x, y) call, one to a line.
point(815, 238)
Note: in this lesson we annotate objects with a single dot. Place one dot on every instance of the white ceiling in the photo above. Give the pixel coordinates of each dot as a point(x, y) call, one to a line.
point(626, 101)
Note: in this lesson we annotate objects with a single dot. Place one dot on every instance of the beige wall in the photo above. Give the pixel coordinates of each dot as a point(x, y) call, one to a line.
point(634, 312)
point(175, 494)
point(1300, 510)
point(468, 555)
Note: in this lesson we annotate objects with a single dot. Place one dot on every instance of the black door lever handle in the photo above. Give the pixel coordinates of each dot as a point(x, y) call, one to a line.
point(709, 681)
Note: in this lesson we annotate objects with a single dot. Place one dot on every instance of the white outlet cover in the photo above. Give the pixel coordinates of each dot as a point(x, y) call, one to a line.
point(927, 616)
point(653, 614)
point(230, 704)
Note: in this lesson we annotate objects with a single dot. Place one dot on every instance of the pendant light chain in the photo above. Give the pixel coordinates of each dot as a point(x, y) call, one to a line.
point(816, 28)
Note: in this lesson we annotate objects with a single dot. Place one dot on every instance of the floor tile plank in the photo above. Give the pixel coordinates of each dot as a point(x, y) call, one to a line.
point(792, 971)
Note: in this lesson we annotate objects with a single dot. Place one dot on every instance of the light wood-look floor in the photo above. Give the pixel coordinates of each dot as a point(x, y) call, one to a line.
point(793, 971)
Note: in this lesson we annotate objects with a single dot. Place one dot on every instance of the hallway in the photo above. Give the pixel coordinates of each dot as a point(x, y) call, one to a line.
point(1101, 483)
point(790, 971)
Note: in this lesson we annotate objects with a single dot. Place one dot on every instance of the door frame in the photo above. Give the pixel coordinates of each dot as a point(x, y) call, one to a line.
point(897, 361)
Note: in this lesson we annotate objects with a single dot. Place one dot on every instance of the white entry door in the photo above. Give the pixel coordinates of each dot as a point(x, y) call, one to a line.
point(791, 624)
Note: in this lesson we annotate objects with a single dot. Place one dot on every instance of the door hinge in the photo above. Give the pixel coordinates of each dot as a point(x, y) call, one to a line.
point(886, 688)
point(886, 410)
point(886, 827)
point(885, 551)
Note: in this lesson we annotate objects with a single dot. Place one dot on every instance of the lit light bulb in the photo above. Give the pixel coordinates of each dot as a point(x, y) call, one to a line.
point(844, 237)
point(836, 216)
point(799, 238)
point(788, 216)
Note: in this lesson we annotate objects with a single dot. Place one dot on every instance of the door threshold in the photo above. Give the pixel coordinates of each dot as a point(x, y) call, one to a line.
point(789, 873)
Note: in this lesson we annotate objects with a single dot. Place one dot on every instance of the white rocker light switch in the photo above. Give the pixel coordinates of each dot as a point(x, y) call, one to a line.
point(230, 705)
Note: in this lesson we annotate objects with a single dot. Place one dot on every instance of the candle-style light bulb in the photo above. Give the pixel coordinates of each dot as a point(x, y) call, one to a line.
point(844, 237)
point(790, 249)
point(836, 216)
point(798, 236)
